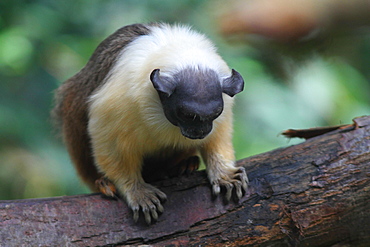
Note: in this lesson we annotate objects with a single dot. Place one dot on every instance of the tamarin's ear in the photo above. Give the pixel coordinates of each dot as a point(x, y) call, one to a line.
point(233, 84)
point(161, 83)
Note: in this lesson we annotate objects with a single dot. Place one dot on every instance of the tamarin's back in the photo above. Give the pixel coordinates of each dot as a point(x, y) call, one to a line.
point(71, 102)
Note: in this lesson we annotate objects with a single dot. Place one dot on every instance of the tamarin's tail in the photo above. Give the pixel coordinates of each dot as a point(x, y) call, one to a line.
point(70, 117)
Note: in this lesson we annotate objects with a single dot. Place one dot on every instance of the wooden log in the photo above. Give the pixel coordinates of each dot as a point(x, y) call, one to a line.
point(316, 193)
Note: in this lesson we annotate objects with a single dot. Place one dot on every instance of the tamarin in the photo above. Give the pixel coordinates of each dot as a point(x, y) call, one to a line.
point(151, 94)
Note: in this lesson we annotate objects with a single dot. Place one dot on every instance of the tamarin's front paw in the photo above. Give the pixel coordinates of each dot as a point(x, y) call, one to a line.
point(147, 198)
point(230, 179)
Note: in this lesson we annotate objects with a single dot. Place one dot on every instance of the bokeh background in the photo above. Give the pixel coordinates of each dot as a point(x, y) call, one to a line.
point(316, 76)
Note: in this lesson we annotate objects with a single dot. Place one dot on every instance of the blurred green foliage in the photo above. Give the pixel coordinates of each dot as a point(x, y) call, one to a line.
point(43, 43)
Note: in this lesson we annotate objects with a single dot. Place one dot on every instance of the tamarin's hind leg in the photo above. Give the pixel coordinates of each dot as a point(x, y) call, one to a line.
point(106, 187)
point(185, 166)
point(77, 142)
point(164, 166)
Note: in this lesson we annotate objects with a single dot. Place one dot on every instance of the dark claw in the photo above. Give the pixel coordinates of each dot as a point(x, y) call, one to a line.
point(154, 214)
point(159, 207)
point(229, 190)
point(239, 192)
point(136, 214)
point(147, 215)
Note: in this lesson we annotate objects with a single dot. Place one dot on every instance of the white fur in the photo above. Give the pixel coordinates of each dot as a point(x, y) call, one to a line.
point(127, 122)
point(128, 105)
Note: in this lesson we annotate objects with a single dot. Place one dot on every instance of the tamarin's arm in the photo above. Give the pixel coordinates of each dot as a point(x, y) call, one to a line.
point(218, 155)
point(124, 170)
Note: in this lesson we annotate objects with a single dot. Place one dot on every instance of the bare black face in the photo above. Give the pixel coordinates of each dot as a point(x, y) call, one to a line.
point(192, 98)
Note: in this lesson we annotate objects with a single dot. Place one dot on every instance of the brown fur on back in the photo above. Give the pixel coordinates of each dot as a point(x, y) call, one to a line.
point(71, 101)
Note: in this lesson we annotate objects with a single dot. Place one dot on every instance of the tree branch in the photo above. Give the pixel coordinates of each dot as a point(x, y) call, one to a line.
point(313, 193)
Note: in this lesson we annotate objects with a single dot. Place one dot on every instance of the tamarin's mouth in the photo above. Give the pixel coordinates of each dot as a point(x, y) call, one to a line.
point(195, 133)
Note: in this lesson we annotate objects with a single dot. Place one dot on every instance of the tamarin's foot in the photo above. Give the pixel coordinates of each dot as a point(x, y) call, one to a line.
point(140, 196)
point(186, 166)
point(144, 197)
point(106, 187)
point(230, 178)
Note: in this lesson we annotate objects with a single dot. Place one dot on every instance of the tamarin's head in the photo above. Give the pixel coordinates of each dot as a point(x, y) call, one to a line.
point(192, 98)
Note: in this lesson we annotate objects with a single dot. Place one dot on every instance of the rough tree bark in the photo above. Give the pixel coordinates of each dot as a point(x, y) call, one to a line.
point(312, 194)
